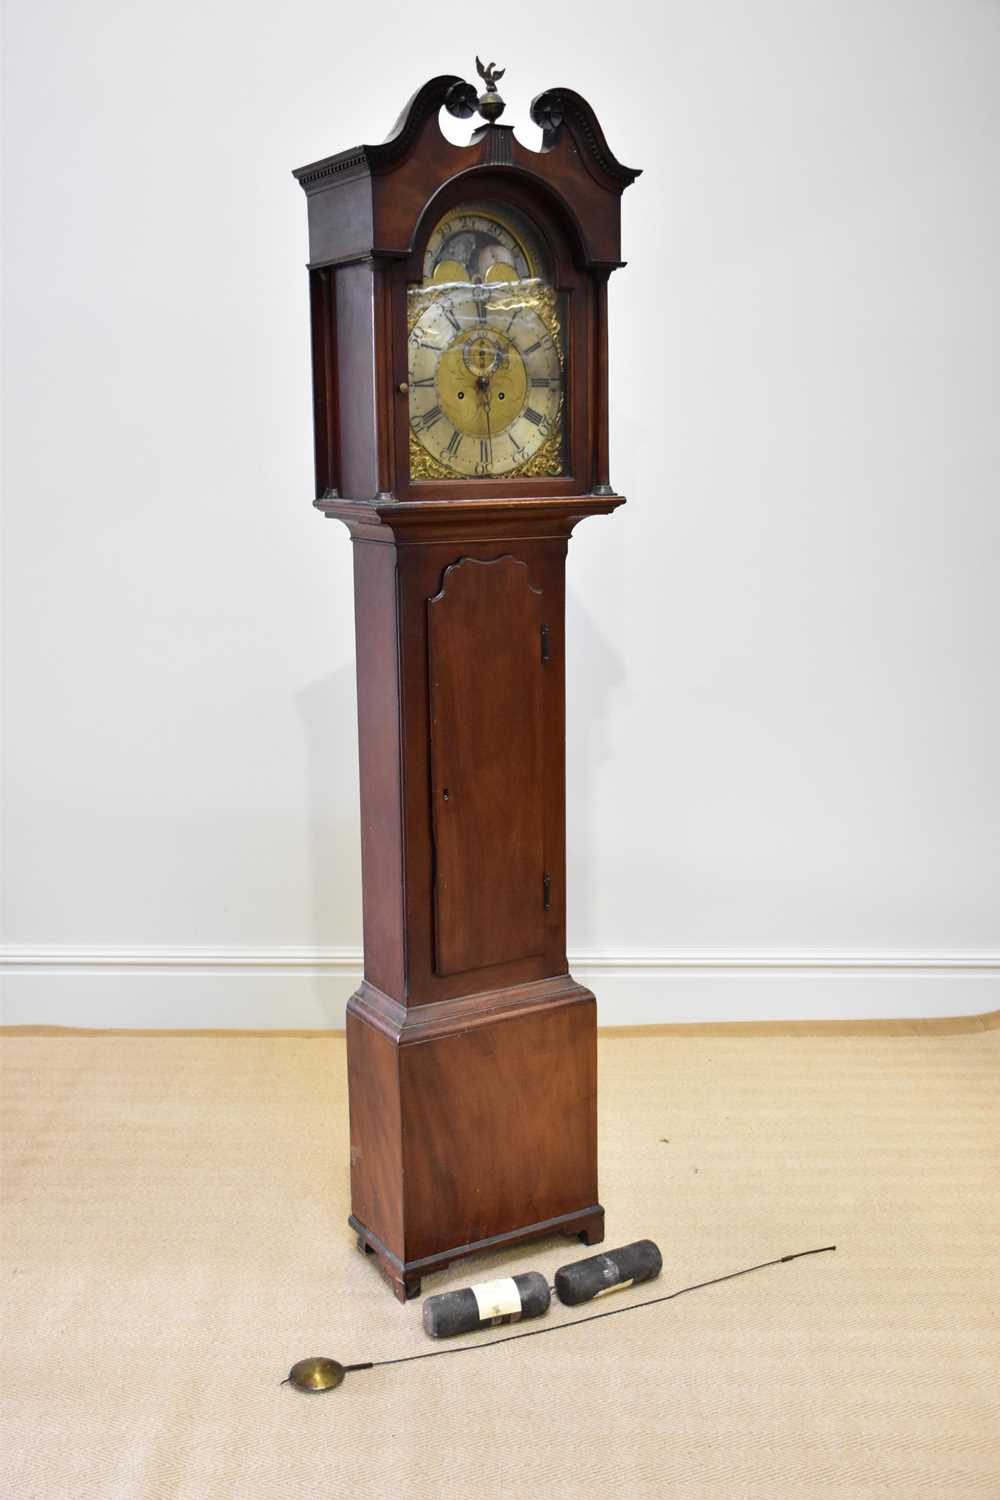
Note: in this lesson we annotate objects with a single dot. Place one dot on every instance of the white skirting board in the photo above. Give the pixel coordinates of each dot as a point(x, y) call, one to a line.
point(307, 989)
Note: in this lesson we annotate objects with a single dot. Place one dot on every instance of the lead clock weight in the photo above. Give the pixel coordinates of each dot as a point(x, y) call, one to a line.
point(487, 1305)
point(612, 1271)
point(514, 1297)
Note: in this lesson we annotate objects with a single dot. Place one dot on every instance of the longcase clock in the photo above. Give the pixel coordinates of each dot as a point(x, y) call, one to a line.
point(459, 327)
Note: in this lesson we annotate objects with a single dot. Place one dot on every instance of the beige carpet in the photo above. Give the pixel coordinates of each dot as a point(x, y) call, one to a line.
point(175, 1237)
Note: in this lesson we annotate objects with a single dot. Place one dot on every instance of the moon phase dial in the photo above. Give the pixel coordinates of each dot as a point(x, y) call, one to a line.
point(480, 242)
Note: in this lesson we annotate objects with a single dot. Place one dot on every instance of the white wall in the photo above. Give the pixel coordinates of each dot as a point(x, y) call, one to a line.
point(783, 719)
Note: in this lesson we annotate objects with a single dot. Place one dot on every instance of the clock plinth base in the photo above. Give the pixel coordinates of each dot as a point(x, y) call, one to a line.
point(406, 1276)
point(473, 1124)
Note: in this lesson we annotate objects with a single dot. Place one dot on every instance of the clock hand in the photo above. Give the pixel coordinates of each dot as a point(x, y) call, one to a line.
point(486, 396)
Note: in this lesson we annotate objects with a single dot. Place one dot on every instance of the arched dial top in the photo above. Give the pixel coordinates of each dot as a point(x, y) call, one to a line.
point(486, 358)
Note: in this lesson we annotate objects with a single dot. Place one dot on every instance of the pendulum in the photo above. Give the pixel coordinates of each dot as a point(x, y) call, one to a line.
point(316, 1374)
point(511, 1298)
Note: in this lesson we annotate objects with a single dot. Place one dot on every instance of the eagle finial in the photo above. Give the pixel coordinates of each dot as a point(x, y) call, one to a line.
point(491, 106)
point(489, 74)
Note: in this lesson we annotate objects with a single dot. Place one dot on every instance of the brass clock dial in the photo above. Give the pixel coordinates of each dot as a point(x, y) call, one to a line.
point(486, 366)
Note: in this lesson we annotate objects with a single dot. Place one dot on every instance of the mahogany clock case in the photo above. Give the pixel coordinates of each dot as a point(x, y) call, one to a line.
point(471, 1050)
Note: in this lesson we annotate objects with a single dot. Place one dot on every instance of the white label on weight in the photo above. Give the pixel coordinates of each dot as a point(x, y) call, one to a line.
point(497, 1299)
point(618, 1287)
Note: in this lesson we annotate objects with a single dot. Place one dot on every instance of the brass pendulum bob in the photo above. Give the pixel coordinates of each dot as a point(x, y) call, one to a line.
point(315, 1374)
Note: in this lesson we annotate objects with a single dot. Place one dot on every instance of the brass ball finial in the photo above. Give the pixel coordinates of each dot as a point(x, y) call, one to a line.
point(491, 106)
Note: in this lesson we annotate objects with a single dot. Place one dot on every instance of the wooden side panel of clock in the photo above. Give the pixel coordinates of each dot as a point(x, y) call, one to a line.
point(376, 1132)
point(353, 353)
point(381, 770)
